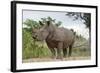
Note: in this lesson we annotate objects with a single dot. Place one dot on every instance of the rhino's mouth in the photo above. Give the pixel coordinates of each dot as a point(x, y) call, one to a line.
point(36, 39)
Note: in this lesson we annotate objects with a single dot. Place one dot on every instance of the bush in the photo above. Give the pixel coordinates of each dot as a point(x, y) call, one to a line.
point(32, 48)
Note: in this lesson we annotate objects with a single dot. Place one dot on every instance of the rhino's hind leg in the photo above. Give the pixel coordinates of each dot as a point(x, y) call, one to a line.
point(70, 51)
point(64, 52)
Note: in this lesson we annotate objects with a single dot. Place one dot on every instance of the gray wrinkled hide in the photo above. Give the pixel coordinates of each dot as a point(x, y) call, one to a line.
point(61, 35)
point(59, 38)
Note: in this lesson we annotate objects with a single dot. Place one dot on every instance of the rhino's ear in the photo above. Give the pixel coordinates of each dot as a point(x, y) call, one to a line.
point(48, 23)
point(40, 23)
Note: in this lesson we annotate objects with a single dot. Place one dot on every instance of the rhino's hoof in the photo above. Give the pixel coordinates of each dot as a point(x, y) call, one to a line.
point(53, 57)
point(69, 55)
point(64, 56)
point(61, 58)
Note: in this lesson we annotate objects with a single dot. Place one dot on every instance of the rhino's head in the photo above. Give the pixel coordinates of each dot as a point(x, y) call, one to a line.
point(42, 33)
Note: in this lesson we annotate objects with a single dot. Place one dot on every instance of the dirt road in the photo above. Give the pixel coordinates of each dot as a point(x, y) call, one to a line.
point(50, 59)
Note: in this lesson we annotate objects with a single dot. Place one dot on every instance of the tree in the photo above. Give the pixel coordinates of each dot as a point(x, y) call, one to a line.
point(86, 17)
point(31, 23)
point(51, 20)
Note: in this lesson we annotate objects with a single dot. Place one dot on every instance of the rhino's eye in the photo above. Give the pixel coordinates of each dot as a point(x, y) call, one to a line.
point(42, 31)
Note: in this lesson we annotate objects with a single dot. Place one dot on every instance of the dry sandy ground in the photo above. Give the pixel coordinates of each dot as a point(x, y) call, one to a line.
point(50, 59)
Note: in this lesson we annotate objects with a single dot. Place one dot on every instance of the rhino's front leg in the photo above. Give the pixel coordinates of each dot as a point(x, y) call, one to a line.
point(53, 53)
point(64, 52)
point(59, 50)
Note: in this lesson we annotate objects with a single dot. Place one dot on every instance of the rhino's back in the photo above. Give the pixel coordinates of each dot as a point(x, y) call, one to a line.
point(63, 34)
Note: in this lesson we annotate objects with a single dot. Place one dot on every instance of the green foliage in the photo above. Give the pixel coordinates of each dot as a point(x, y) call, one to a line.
point(52, 20)
point(81, 52)
point(32, 48)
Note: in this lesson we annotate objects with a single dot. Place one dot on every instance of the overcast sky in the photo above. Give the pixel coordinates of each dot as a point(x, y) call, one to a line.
point(67, 22)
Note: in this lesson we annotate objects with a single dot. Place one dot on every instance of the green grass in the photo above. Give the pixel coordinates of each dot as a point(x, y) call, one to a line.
point(81, 52)
point(36, 52)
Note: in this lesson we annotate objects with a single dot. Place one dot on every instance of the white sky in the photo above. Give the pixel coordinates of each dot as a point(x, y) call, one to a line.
point(67, 22)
